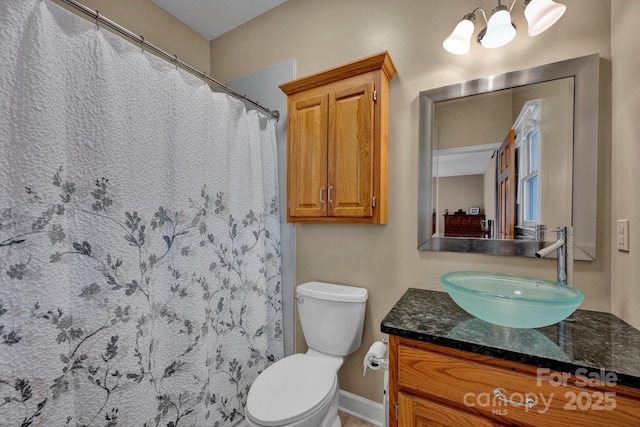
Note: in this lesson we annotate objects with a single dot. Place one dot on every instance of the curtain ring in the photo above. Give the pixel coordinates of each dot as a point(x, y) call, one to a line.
point(175, 60)
point(97, 20)
point(142, 44)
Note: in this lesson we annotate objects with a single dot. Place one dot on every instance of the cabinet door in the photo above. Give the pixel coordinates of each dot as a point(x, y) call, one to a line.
point(507, 187)
point(307, 178)
point(350, 165)
point(416, 412)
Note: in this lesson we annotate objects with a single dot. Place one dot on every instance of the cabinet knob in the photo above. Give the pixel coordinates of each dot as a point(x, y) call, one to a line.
point(329, 195)
point(322, 196)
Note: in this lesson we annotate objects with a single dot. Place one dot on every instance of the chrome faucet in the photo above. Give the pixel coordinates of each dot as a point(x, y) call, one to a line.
point(564, 248)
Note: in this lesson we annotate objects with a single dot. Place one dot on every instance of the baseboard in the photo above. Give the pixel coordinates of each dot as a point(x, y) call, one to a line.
point(365, 409)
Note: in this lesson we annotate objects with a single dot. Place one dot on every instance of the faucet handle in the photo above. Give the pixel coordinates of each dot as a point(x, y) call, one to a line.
point(566, 230)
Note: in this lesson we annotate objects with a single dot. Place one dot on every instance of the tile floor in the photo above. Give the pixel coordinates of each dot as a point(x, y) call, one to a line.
point(351, 421)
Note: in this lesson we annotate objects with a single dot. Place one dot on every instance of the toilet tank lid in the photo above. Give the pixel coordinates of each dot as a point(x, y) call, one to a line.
point(332, 292)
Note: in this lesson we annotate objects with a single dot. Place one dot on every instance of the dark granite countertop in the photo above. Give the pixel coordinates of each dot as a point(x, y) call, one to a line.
point(595, 341)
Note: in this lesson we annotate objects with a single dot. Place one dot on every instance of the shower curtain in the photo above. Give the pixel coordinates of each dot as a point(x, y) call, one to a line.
point(139, 233)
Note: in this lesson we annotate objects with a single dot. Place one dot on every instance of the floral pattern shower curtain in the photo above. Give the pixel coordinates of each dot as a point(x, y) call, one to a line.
point(139, 233)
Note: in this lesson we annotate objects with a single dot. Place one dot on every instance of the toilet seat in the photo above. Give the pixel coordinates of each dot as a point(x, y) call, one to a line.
point(291, 389)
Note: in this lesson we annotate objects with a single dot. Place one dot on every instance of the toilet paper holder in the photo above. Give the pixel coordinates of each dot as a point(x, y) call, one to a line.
point(375, 357)
point(375, 362)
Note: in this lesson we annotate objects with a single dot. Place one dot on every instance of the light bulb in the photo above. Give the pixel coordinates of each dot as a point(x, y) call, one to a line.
point(542, 14)
point(500, 31)
point(459, 41)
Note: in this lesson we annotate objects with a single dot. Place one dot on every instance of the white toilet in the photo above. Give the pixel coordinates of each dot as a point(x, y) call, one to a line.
point(301, 390)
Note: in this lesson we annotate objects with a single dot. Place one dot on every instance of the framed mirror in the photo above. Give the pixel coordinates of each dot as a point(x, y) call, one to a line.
point(506, 157)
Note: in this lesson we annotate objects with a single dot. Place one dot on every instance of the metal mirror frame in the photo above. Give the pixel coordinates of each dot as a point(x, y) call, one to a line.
point(585, 71)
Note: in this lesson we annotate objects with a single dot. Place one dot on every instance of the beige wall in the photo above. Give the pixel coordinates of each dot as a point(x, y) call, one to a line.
point(384, 259)
point(146, 19)
point(625, 289)
point(476, 120)
point(458, 192)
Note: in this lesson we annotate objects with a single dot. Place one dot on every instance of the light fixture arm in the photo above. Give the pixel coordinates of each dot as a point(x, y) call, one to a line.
point(484, 15)
point(472, 16)
point(500, 6)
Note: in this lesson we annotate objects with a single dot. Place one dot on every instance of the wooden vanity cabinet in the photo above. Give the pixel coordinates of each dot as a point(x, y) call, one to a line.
point(337, 143)
point(432, 385)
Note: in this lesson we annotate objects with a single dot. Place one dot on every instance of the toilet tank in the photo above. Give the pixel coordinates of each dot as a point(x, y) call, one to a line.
point(332, 316)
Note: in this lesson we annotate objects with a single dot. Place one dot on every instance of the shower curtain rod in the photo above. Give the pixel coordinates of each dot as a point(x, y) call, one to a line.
point(165, 55)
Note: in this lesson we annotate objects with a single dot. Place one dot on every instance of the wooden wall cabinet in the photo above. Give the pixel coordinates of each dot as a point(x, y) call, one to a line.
point(432, 385)
point(337, 162)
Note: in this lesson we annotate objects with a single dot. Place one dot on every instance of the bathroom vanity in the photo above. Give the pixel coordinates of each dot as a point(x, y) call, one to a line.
point(447, 368)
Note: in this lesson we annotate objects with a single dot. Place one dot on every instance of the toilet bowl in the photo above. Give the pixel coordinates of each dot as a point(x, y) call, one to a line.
point(302, 390)
point(298, 391)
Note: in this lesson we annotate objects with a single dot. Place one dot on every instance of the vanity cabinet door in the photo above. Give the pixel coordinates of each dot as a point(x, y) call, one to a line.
point(416, 412)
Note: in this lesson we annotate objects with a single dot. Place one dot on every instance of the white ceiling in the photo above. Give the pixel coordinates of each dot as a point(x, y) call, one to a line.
point(472, 160)
point(212, 18)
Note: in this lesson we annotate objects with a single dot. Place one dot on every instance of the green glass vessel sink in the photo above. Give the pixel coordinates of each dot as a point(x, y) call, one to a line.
point(509, 300)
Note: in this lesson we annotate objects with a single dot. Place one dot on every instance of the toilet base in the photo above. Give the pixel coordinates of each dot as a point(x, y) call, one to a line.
point(336, 422)
point(332, 419)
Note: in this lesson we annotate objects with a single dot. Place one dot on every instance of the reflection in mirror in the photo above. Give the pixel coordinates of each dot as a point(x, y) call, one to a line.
point(510, 339)
point(504, 158)
point(468, 136)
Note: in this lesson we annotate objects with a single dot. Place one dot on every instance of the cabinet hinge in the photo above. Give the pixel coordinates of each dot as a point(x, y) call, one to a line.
point(375, 95)
point(397, 411)
point(373, 202)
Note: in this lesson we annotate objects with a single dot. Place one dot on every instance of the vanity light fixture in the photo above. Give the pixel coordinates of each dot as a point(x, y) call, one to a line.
point(540, 15)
